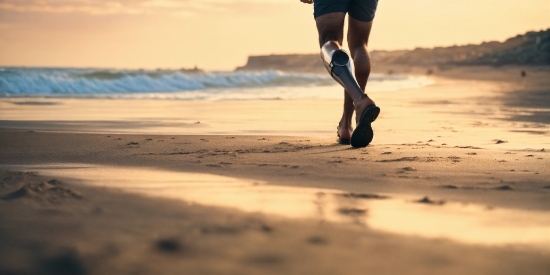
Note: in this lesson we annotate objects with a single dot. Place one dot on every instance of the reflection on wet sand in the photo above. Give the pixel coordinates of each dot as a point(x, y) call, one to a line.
point(468, 223)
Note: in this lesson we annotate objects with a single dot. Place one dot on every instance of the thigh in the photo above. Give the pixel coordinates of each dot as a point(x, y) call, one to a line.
point(330, 27)
point(358, 33)
point(363, 10)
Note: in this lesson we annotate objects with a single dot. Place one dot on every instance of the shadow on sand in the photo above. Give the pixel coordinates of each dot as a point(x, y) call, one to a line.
point(535, 105)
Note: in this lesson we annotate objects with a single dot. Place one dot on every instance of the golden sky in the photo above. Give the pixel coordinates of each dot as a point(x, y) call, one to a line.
point(220, 34)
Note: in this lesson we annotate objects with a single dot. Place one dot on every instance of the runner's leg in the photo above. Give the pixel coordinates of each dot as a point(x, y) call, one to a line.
point(358, 38)
point(331, 28)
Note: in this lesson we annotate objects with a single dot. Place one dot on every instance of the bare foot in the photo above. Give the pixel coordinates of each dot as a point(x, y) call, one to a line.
point(344, 131)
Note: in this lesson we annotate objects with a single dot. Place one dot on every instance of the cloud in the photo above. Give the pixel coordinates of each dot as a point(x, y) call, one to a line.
point(65, 6)
point(95, 7)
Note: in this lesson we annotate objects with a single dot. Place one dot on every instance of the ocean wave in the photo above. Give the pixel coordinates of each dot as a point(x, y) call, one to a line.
point(173, 84)
point(74, 82)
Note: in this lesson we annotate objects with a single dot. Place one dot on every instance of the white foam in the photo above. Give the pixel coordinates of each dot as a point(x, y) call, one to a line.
point(171, 84)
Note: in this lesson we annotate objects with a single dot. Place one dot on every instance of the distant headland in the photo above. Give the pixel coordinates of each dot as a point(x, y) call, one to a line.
point(529, 49)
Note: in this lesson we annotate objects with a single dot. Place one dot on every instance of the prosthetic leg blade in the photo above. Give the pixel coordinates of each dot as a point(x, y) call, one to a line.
point(337, 63)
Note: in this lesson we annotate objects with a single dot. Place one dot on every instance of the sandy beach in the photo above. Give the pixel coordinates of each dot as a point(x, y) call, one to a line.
point(456, 181)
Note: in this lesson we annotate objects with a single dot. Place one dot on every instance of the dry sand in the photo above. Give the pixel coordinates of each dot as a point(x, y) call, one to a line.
point(457, 181)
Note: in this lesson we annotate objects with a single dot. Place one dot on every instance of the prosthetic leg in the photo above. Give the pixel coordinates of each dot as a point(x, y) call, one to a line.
point(338, 65)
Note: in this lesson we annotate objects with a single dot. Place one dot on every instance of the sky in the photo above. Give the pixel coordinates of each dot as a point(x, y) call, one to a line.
point(221, 34)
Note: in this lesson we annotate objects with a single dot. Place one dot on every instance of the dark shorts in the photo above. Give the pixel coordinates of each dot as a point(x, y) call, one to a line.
point(362, 10)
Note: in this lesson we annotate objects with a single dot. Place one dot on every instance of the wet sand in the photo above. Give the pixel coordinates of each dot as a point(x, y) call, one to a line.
point(456, 181)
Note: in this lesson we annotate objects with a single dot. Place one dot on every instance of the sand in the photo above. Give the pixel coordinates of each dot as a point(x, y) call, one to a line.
point(457, 180)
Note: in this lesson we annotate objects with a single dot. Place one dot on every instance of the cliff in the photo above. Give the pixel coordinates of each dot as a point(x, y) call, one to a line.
point(290, 62)
point(529, 49)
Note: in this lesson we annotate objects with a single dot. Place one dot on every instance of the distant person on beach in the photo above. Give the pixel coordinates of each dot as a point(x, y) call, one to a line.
point(329, 17)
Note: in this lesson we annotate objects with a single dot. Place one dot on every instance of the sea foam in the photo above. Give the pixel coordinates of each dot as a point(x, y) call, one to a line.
point(109, 83)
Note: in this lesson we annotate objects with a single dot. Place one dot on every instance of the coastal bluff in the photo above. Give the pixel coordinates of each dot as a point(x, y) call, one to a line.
point(529, 49)
point(304, 63)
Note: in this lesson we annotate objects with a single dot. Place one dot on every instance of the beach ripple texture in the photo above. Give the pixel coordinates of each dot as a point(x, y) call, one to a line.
point(110, 83)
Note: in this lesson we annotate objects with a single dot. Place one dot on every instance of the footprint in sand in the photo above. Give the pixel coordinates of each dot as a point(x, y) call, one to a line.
point(219, 229)
point(455, 159)
point(427, 200)
point(468, 147)
point(265, 259)
point(51, 191)
point(65, 263)
point(352, 211)
point(362, 196)
point(170, 245)
point(449, 186)
point(317, 240)
point(399, 159)
point(504, 188)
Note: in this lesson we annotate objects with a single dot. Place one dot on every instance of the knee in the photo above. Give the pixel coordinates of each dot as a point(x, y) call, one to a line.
point(357, 43)
point(361, 60)
point(358, 51)
point(356, 46)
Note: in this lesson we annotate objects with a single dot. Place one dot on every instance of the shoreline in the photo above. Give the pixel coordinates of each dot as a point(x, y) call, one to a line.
point(296, 161)
point(462, 144)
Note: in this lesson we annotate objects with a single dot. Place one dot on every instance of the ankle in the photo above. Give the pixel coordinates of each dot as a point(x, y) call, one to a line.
point(346, 120)
point(364, 101)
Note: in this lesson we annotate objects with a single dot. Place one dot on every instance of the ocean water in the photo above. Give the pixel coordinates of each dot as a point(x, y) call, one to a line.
point(174, 84)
